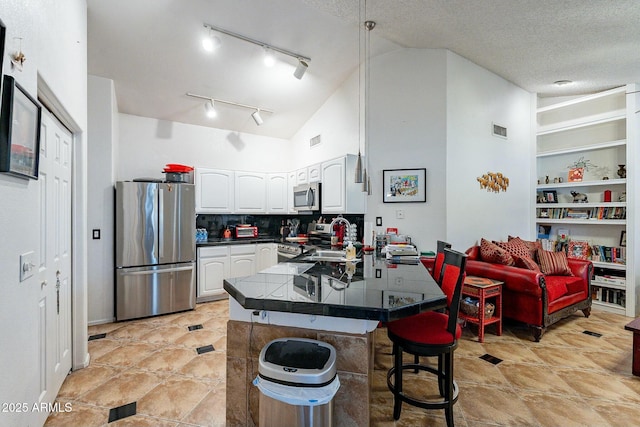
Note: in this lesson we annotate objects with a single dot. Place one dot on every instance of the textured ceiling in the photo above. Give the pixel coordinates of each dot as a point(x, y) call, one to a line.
point(151, 49)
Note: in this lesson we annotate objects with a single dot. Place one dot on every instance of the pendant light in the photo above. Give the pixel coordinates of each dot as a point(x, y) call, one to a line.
point(368, 25)
point(358, 175)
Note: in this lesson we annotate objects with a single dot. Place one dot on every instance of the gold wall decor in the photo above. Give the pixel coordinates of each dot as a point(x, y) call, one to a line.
point(493, 181)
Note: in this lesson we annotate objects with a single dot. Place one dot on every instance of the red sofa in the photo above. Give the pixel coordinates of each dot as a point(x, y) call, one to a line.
point(533, 298)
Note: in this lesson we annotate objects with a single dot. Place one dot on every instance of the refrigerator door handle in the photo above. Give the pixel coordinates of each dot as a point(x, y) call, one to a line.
point(165, 270)
point(160, 224)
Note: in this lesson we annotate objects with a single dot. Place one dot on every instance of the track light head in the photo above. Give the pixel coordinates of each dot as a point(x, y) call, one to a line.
point(257, 118)
point(300, 69)
point(269, 57)
point(210, 109)
point(210, 42)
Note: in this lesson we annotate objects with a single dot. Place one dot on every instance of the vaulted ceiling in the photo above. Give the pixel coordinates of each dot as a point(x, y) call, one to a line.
point(152, 50)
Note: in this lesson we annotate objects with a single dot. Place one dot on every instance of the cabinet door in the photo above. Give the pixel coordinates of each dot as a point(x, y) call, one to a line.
point(250, 192)
point(213, 268)
point(266, 256)
point(277, 190)
point(242, 260)
point(291, 182)
point(302, 176)
point(214, 190)
point(314, 173)
point(333, 186)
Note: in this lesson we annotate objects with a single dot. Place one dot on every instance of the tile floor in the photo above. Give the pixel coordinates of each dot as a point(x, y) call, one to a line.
point(568, 379)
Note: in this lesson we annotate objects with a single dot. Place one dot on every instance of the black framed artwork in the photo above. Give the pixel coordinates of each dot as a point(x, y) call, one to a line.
point(550, 196)
point(19, 131)
point(404, 185)
point(3, 32)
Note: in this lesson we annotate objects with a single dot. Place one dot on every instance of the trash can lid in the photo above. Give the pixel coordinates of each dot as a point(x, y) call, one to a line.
point(298, 362)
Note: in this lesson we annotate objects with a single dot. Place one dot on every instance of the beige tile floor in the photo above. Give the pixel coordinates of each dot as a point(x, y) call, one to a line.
point(567, 379)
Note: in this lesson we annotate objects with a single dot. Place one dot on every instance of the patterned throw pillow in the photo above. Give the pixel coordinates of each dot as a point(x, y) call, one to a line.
point(528, 263)
point(493, 253)
point(533, 246)
point(554, 263)
point(516, 248)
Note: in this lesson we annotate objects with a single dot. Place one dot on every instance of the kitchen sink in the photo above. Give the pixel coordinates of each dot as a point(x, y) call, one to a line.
point(327, 255)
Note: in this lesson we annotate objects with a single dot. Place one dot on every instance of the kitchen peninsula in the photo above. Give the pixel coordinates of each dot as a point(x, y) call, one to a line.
point(340, 303)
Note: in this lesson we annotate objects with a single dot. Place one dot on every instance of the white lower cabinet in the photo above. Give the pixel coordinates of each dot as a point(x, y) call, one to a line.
point(242, 260)
point(213, 268)
point(266, 256)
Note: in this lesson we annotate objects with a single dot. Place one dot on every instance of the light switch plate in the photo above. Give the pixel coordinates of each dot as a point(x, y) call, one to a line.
point(400, 214)
point(27, 265)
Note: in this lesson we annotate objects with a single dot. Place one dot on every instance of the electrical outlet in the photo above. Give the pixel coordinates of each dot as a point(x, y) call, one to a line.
point(400, 214)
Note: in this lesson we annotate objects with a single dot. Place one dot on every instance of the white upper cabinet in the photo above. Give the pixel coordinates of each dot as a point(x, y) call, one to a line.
point(214, 190)
point(250, 190)
point(302, 176)
point(340, 194)
point(291, 182)
point(314, 173)
point(277, 193)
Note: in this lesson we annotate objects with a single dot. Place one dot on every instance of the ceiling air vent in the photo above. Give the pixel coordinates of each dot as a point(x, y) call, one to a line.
point(499, 131)
point(314, 141)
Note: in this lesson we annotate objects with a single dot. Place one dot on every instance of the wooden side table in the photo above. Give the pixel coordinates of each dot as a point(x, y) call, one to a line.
point(484, 289)
point(635, 327)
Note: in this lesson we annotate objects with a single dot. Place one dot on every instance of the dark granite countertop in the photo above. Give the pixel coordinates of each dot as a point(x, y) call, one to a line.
point(376, 290)
point(218, 241)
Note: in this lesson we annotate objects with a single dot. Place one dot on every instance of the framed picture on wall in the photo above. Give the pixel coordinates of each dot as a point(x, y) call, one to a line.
point(404, 185)
point(19, 131)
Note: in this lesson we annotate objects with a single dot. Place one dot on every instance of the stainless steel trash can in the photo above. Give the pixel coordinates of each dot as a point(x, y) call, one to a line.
point(297, 382)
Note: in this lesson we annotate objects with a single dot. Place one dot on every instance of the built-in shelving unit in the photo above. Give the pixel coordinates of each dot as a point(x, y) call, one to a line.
point(599, 129)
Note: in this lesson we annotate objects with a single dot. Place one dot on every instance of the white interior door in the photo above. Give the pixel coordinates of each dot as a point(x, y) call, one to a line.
point(55, 256)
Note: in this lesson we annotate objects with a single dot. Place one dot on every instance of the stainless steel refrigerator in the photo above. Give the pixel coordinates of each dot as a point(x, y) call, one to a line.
point(155, 249)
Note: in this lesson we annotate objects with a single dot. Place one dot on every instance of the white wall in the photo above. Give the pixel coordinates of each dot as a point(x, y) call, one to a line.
point(54, 42)
point(146, 145)
point(475, 99)
point(102, 134)
point(407, 129)
point(336, 121)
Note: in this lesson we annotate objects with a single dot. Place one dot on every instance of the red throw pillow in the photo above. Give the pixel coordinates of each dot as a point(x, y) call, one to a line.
point(554, 263)
point(533, 246)
point(491, 252)
point(516, 248)
point(528, 263)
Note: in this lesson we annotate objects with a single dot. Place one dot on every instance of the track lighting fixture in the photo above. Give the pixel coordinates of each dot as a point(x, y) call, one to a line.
point(209, 107)
point(211, 41)
point(303, 61)
point(269, 59)
point(257, 118)
point(300, 69)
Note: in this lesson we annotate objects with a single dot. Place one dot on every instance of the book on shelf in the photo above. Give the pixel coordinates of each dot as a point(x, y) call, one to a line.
point(600, 213)
point(611, 296)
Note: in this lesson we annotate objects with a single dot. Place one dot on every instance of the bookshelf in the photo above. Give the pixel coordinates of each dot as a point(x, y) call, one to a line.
point(601, 131)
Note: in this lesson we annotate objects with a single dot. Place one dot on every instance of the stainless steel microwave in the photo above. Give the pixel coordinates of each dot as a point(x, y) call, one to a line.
point(306, 197)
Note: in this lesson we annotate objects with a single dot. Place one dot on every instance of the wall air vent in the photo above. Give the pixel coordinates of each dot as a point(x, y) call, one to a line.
point(499, 131)
point(315, 141)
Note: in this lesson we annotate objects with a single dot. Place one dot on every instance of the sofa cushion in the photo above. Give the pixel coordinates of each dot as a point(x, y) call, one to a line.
point(556, 287)
point(553, 263)
point(533, 246)
point(526, 262)
point(473, 253)
point(490, 252)
point(515, 247)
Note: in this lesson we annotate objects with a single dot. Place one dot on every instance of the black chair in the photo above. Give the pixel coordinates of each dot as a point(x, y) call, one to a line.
point(437, 267)
point(430, 334)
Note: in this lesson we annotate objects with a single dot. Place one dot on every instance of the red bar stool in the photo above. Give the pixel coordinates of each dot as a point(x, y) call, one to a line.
point(430, 334)
point(437, 267)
